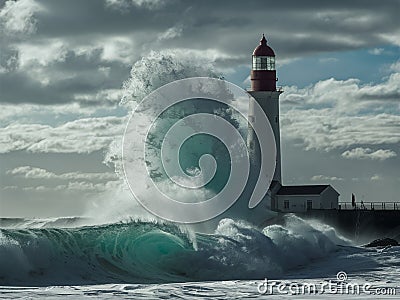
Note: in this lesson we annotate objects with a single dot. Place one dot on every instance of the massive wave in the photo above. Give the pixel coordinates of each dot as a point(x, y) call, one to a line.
point(156, 252)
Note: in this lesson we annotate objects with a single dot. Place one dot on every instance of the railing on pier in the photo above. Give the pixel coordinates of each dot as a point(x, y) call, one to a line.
point(370, 205)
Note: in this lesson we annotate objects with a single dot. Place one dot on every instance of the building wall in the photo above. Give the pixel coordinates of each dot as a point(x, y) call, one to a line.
point(329, 199)
point(297, 203)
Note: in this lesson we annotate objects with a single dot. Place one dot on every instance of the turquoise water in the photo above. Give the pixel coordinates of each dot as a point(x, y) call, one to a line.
point(153, 252)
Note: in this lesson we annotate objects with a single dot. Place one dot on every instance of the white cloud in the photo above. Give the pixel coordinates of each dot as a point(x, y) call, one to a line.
point(376, 177)
point(125, 4)
point(328, 60)
point(32, 113)
point(108, 95)
point(76, 187)
point(39, 173)
point(17, 17)
point(395, 67)
point(117, 48)
point(49, 64)
point(322, 130)
point(9, 60)
point(40, 180)
point(376, 51)
point(171, 33)
point(10, 187)
point(347, 96)
point(79, 136)
point(393, 37)
point(75, 182)
point(325, 178)
point(334, 114)
point(367, 153)
point(35, 54)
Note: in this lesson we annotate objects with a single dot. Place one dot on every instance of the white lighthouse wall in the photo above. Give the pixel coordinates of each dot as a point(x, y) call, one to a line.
point(269, 101)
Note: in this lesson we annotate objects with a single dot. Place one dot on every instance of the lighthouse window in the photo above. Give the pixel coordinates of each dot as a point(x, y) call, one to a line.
point(263, 63)
point(270, 63)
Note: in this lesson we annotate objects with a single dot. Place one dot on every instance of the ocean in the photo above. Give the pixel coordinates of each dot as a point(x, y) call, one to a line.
point(148, 259)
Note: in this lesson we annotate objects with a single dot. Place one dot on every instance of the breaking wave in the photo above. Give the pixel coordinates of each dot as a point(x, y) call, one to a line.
point(153, 252)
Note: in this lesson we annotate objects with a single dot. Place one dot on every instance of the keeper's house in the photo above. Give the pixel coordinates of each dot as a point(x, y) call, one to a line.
point(301, 198)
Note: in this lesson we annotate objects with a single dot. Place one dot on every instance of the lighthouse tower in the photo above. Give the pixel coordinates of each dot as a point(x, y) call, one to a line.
point(263, 90)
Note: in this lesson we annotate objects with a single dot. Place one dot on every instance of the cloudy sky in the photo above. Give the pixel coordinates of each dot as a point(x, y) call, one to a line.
point(65, 66)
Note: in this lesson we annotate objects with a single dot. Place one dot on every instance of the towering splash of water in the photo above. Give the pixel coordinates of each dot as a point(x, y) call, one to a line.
point(148, 74)
point(187, 146)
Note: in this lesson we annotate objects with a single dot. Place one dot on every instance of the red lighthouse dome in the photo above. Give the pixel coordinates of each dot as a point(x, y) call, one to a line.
point(263, 49)
point(263, 73)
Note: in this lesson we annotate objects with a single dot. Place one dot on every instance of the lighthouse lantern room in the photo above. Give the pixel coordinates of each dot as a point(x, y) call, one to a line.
point(263, 73)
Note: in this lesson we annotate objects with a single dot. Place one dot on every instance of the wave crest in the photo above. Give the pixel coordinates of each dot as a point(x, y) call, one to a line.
point(150, 252)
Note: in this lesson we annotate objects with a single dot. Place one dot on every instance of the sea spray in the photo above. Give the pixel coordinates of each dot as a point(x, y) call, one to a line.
point(147, 74)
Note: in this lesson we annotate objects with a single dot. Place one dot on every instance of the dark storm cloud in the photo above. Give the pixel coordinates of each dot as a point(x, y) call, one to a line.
point(211, 23)
point(81, 75)
point(77, 18)
point(231, 30)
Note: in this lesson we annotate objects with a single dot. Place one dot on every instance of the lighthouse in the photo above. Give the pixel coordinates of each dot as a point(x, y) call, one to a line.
point(289, 198)
point(263, 90)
